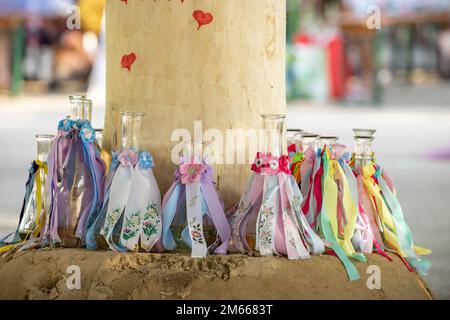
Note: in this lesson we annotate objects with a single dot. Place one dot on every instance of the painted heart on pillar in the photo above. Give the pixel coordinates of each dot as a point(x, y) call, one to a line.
point(202, 18)
point(128, 60)
point(124, 1)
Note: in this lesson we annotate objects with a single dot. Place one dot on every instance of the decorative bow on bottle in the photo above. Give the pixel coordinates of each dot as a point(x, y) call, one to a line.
point(193, 194)
point(75, 171)
point(272, 201)
point(134, 198)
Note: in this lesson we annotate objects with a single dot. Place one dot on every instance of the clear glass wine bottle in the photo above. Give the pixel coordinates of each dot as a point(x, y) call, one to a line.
point(363, 150)
point(192, 152)
point(132, 130)
point(30, 217)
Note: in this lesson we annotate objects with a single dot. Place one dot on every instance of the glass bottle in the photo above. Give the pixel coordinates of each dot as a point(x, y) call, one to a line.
point(274, 131)
point(310, 141)
point(30, 214)
point(363, 150)
point(131, 139)
point(80, 108)
point(192, 151)
point(132, 125)
point(77, 178)
point(294, 137)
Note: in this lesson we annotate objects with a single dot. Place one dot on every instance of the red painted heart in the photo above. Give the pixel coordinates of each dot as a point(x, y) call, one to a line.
point(128, 60)
point(202, 18)
point(125, 1)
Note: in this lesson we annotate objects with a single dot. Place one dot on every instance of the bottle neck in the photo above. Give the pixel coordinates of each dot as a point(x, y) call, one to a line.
point(363, 151)
point(131, 131)
point(274, 129)
point(81, 109)
point(43, 147)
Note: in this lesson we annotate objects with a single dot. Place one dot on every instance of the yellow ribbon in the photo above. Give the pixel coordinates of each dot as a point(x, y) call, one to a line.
point(350, 211)
point(388, 229)
point(42, 167)
point(39, 195)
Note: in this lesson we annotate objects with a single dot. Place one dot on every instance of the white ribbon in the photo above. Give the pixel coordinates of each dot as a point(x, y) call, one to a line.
point(267, 217)
point(142, 218)
point(294, 245)
point(120, 188)
point(295, 198)
point(195, 220)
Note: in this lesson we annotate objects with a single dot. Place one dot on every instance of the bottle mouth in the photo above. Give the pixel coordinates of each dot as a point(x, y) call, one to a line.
point(77, 96)
point(310, 135)
point(44, 136)
point(273, 116)
point(364, 132)
point(295, 130)
point(132, 113)
point(364, 138)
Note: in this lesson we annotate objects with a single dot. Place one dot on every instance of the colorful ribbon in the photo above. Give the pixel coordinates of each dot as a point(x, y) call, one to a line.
point(191, 197)
point(133, 197)
point(395, 231)
point(31, 217)
point(271, 208)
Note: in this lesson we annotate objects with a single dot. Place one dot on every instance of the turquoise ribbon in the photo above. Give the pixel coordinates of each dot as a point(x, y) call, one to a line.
point(404, 233)
point(352, 272)
point(169, 212)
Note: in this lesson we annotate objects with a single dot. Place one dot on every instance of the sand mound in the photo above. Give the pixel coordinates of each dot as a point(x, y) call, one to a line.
point(43, 274)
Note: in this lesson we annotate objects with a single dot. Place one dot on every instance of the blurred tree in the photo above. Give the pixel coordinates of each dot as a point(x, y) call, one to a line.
point(293, 18)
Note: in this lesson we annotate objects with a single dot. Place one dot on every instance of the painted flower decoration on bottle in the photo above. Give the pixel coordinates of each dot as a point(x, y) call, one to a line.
point(128, 158)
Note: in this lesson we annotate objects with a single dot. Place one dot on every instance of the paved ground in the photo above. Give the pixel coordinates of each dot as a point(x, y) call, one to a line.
point(407, 132)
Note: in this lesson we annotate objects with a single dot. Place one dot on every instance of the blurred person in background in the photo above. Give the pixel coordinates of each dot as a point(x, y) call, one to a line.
point(40, 52)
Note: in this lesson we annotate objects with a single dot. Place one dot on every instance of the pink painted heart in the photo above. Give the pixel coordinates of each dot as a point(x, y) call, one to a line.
point(202, 18)
point(128, 60)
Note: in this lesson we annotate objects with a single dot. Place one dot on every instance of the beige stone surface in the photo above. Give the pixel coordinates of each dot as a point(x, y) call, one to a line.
point(107, 275)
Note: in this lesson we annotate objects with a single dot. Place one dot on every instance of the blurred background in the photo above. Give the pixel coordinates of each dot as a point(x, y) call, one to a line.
point(383, 64)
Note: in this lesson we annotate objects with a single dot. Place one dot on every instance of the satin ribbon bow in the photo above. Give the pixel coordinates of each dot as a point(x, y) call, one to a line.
point(191, 172)
point(267, 164)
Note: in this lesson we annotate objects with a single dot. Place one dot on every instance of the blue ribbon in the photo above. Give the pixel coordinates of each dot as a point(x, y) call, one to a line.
point(352, 272)
point(170, 210)
point(28, 190)
point(404, 233)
